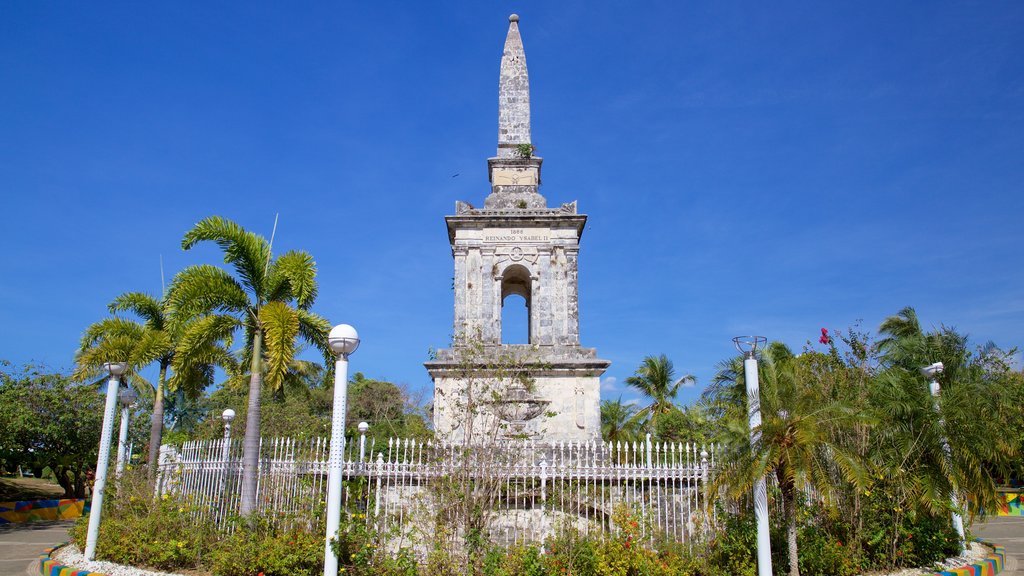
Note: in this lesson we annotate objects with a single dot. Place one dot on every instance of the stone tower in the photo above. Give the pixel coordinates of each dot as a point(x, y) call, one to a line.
point(516, 245)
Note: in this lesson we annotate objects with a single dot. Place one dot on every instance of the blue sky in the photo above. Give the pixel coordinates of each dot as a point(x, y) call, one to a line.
point(746, 167)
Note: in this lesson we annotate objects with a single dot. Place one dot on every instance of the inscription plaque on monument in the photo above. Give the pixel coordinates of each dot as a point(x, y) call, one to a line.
point(517, 235)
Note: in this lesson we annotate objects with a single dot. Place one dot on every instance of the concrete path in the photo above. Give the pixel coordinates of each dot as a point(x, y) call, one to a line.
point(21, 544)
point(1008, 531)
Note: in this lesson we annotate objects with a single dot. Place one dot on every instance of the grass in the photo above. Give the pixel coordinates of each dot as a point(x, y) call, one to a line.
point(13, 489)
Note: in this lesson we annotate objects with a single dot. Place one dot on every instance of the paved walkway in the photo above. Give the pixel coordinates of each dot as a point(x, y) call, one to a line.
point(21, 544)
point(1008, 531)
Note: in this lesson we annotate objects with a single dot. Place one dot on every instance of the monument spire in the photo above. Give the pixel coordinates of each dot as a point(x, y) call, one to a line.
point(515, 171)
point(513, 94)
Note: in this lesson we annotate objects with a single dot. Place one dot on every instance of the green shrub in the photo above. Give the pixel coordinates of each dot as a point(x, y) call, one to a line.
point(823, 555)
point(257, 548)
point(142, 531)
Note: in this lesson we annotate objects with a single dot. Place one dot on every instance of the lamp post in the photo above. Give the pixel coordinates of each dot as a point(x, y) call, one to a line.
point(127, 396)
point(115, 369)
point(749, 345)
point(227, 415)
point(363, 428)
point(343, 340)
point(931, 372)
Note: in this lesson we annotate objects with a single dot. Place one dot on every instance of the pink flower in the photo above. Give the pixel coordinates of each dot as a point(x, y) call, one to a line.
point(825, 338)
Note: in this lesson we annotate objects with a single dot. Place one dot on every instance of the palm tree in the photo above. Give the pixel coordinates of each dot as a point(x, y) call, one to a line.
point(617, 421)
point(796, 444)
point(154, 339)
point(655, 378)
point(910, 449)
point(268, 299)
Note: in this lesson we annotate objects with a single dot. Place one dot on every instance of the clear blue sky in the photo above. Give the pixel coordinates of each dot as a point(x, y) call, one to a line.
point(746, 167)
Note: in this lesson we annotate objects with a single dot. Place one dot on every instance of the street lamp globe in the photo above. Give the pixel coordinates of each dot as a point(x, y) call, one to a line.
point(343, 340)
point(363, 427)
point(228, 415)
point(127, 396)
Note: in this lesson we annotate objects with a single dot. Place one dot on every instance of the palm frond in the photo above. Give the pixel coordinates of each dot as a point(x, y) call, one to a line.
point(142, 305)
point(204, 289)
point(280, 325)
point(293, 277)
point(246, 251)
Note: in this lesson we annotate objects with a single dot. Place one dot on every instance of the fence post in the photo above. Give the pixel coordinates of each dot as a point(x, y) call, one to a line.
point(704, 484)
point(380, 473)
point(543, 499)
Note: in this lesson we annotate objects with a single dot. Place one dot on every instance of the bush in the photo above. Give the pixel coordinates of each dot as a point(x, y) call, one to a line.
point(258, 548)
point(141, 531)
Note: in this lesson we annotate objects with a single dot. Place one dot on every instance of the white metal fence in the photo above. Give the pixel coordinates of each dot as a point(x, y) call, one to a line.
point(407, 487)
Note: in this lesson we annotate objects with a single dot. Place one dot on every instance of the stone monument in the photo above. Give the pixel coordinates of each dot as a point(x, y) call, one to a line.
point(548, 389)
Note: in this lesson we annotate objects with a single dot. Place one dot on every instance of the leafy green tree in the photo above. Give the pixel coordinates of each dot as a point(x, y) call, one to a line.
point(618, 421)
point(268, 299)
point(795, 440)
point(388, 409)
point(686, 424)
point(49, 421)
point(655, 378)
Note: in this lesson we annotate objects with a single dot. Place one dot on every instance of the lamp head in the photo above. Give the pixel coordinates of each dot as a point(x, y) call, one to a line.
point(363, 427)
point(127, 396)
point(228, 415)
point(749, 345)
point(343, 340)
point(115, 368)
point(932, 370)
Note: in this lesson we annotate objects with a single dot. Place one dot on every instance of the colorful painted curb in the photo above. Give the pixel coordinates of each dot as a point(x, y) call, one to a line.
point(50, 567)
point(1012, 506)
point(990, 566)
point(35, 510)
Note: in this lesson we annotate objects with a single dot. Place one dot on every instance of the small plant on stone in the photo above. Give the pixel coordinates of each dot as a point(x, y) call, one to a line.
point(525, 150)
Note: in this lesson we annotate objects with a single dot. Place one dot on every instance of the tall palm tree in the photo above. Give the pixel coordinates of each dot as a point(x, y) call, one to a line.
point(155, 339)
point(268, 299)
point(796, 444)
point(617, 421)
point(655, 378)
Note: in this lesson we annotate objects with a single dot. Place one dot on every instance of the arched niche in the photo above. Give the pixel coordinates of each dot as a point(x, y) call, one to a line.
point(516, 280)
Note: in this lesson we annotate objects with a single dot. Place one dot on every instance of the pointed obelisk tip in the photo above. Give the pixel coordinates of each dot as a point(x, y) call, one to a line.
point(513, 18)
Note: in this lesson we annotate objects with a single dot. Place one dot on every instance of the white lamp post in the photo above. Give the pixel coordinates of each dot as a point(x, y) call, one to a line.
point(227, 415)
point(115, 369)
point(343, 340)
point(127, 396)
point(749, 345)
point(363, 428)
point(931, 372)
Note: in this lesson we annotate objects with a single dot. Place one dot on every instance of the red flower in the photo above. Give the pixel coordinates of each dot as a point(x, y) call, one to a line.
point(825, 338)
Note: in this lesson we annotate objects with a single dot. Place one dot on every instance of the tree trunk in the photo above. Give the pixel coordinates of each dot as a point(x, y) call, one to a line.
point(62, 478)
point(794, 557)
point(790, 503)
point(156, 426)
point(251, 444)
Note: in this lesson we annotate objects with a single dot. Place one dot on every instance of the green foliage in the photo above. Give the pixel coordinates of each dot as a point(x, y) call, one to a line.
point(258, 548)
point(140, 531)
point(618, 422)
point(49, 421)
point(164, 534)
point(734, 550)
point(525, 150)
point(656, 379)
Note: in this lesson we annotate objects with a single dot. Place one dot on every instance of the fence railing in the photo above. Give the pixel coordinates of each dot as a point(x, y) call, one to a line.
point(404, 487)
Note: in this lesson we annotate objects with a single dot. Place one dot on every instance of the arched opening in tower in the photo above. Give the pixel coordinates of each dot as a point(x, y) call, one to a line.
point(515, 306)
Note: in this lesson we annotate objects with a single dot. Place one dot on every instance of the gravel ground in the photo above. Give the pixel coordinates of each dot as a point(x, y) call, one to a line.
point(971, 555)
point(70, 555)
